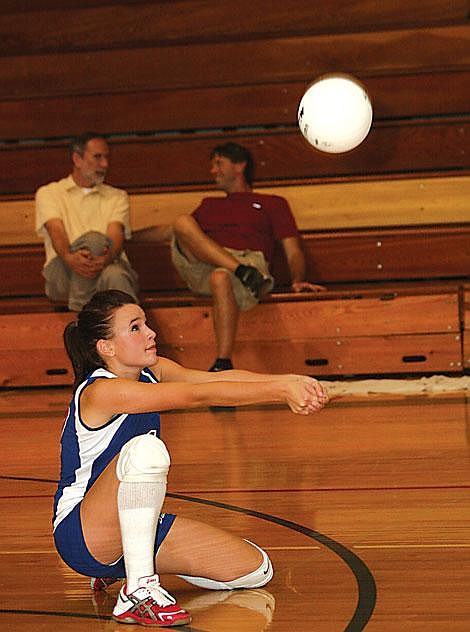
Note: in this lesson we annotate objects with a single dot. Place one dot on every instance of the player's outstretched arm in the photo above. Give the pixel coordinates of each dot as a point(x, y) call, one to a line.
point(304, 394)
point(105, 398)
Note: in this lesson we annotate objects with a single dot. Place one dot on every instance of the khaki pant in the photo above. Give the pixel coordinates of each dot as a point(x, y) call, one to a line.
point(63, 284)
point(196, 274)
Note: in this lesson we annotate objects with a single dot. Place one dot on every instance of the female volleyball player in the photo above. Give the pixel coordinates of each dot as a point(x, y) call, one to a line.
point(107, 510)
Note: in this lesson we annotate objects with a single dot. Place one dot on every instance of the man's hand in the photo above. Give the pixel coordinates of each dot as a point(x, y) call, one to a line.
point(101, 261)
point(306, 286)
point(83, 263)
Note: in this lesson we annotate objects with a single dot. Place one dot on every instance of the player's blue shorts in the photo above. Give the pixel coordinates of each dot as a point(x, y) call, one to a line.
point(71, 546)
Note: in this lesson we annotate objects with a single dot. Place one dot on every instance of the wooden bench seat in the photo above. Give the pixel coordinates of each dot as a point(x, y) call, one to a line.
point(383, 254)
point(317, 206)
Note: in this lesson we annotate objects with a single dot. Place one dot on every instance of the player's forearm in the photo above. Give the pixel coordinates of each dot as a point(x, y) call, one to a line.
point(243, 393)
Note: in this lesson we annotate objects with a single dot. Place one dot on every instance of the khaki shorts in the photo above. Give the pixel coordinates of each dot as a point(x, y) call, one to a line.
point(63, 284)
point(196, 274)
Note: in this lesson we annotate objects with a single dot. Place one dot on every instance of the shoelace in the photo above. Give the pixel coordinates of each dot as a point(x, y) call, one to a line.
point(159, 595)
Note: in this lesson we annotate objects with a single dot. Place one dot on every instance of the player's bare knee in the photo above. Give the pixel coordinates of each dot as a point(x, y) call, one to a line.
point(258, 577)
point(143, 459)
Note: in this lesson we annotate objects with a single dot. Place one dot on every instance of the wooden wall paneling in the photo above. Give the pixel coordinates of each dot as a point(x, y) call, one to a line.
point(393, 96)
point(78, 26)
point(438, 146)
point(235, 63)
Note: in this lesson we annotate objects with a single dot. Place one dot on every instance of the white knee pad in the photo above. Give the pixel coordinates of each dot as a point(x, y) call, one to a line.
point(143, 459)
point(257, 578)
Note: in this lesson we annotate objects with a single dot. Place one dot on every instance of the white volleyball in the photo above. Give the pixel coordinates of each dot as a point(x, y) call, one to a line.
point(335, 113)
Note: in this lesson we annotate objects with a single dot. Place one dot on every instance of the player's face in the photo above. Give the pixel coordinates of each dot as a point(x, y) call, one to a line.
point(133, 342)
point(226, 173)
point(93, 165)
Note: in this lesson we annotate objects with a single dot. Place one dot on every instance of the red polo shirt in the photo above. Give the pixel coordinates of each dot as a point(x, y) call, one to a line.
point(247, 221)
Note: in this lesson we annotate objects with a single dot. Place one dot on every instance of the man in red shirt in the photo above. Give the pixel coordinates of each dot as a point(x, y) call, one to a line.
point(224, 249)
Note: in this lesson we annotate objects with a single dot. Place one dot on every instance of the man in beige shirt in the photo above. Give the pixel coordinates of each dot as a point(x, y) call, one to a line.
point(84, 223)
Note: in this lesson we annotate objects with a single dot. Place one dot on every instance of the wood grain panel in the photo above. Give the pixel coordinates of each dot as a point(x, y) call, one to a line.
point(327, 357)
point(29, 6)
point(152, 111)
point(43, 367)
point(311, 319)
point(390, 254)
point(349, 257)
point(234, 63)
point(185, 334)
point(141, 24)
point(33, 332)
point(21, 271)
point(167, 162)
point(38, 356)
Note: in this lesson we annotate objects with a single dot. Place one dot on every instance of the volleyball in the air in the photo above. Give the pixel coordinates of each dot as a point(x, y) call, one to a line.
point(335, 113)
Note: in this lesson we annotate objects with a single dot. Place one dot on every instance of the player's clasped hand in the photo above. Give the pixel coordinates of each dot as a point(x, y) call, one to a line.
point(306, 395)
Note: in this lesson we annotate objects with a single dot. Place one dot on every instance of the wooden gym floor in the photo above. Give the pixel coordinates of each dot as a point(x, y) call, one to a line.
point(363, 508)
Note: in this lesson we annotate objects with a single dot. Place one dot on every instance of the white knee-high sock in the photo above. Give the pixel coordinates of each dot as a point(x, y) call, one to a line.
point(139, 506)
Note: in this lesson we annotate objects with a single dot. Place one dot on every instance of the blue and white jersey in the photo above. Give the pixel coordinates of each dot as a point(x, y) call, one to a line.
point(85, 451)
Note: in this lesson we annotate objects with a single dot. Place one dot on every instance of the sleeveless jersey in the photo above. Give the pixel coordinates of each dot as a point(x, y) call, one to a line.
point(85, 451)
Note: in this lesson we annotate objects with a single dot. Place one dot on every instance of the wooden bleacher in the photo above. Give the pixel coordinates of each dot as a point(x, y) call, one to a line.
point(386, 227)
point(393, 302)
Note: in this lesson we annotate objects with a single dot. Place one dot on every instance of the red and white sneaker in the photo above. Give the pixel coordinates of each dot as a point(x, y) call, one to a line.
point(101, 583)
point(149, 605)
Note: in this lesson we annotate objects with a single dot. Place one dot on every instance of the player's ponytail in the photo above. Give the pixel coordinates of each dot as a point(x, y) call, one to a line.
point(93, 323)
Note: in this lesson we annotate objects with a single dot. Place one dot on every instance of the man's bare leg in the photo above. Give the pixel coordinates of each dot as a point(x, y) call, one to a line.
point(225, 313)
point(197, 246)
